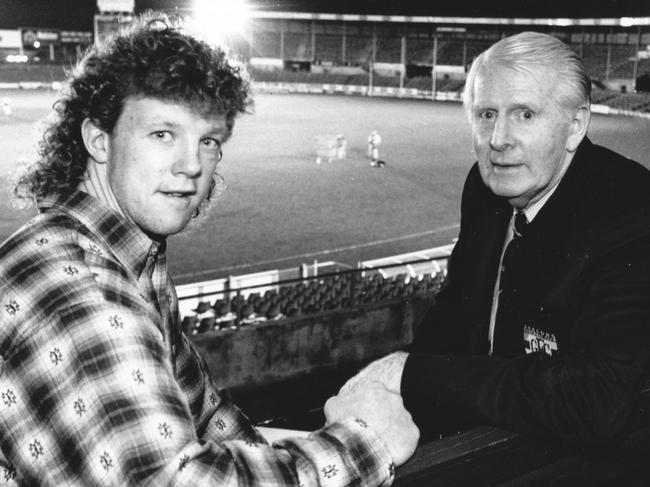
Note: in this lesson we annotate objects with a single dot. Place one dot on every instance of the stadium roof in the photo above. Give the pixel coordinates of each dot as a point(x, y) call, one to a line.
point(469, 8)
point(78, 14)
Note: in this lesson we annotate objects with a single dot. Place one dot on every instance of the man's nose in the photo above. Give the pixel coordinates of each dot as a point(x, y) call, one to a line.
point(501, 137)
point(188, 160)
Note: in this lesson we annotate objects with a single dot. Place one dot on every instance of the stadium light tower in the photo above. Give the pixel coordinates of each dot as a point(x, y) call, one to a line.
point(218, 19)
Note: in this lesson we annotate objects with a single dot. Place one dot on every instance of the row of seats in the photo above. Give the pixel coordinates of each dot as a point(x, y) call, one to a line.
point(336, 293)
point(625, 101)
point(417, 82)
point(621, 61)
point(358, 50)
point(639, 101)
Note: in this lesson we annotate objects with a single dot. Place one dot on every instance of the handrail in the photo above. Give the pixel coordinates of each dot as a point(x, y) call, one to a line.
point(490, 456)
point(320, 276)
point(480, 456)
point(238, 317)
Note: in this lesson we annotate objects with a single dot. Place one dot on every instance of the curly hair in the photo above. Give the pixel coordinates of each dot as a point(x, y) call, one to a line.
point(155, 56)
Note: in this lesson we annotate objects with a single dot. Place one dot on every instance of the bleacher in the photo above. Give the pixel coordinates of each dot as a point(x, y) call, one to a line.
point(388, 50)
point(336, 292)
point(328, 49)
point(631, 102)
point(267, 44)
point(621, 61)
point(31, 73)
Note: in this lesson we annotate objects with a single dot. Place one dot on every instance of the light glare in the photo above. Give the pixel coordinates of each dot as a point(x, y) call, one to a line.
point(219, 18)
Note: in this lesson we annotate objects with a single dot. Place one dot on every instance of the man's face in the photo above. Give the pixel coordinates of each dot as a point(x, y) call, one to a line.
point(520, 132)
point(161, 161)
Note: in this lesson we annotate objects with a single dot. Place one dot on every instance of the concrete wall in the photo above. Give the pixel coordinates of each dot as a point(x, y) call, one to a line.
point(258, 355)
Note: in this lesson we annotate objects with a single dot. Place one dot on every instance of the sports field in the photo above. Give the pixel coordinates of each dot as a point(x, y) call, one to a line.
point(282, 209)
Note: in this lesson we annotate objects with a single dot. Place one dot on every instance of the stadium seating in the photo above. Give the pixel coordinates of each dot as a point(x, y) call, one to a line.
point(328, 49)
point(297, 46)
point(332, 293)
point(266, 44)
point(620, 61)
point(388, 50)
point(630, 101)
point(419, 51)
point(31, 73)
point(358, 50)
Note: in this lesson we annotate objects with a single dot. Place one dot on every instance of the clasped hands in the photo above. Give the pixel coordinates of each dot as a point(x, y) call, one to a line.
point(373, 395)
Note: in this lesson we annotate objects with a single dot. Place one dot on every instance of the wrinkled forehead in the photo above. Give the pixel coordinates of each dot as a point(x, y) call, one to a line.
point(541, 74)
point(518, 83)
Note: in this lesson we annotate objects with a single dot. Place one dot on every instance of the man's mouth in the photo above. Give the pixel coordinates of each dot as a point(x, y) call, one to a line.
point(505, 165)
point(179, 194)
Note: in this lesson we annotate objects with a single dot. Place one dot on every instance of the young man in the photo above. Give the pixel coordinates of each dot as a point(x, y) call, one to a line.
point(543, 326)
point(99, 386)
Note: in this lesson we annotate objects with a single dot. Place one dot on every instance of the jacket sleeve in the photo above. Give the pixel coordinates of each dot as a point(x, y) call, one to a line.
point(438, 330)
point(586, 397)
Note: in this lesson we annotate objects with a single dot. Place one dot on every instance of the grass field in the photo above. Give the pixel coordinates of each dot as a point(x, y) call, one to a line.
point(282, 209)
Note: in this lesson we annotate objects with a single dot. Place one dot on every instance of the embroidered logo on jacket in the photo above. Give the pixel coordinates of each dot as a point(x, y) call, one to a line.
point(537, 340)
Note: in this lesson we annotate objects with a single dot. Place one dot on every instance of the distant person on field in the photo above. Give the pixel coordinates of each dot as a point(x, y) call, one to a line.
point(99, 386)
point(374, 141)
point(543, 327)
point(341, 147)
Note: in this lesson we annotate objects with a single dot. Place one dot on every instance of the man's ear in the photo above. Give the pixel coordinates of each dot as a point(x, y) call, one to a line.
point(578, 127)
point(95, 141)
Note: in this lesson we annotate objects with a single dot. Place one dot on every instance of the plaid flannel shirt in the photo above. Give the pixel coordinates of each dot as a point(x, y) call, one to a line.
point(98, 386)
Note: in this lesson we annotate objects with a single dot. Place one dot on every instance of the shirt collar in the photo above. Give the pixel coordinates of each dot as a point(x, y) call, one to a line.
point(532, 210)
point(124, 239)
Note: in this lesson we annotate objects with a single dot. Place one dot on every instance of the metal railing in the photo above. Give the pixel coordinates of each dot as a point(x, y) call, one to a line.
point(353, 291)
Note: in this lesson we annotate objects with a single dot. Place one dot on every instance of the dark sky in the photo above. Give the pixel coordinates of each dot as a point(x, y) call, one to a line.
point(78, 14)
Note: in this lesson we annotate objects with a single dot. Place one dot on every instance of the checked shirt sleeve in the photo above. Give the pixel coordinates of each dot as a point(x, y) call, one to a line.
point(346, 453)
point(91, 398)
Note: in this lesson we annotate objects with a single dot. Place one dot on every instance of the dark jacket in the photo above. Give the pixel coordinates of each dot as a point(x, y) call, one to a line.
point(584, 312)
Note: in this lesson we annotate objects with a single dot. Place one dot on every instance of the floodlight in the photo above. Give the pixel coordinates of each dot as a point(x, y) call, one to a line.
point(217, 19)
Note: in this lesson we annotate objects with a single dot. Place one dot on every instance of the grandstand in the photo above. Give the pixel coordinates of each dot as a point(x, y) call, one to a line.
point(426, 53)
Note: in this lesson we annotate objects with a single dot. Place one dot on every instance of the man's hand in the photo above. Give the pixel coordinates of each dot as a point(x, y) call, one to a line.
point(387, 370)
point(383, 411)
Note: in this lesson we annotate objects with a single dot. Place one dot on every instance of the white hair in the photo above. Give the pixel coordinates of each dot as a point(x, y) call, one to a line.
point(532, 52)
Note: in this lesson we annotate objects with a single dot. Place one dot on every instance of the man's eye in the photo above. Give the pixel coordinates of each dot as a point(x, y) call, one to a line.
point(212, 144)
point(162, 135)
point(526, 114)
point(486, 116)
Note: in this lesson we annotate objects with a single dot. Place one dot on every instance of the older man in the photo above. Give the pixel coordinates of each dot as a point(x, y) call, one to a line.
point(98, 384)
point(543, 327)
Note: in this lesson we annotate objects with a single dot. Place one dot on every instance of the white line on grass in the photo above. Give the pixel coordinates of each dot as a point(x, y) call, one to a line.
point(315, 254)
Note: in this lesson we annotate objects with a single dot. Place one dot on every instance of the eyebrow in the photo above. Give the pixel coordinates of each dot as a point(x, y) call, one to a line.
point(166, 123)
point(161, 121)
point(516, 106)
point(521, 106)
